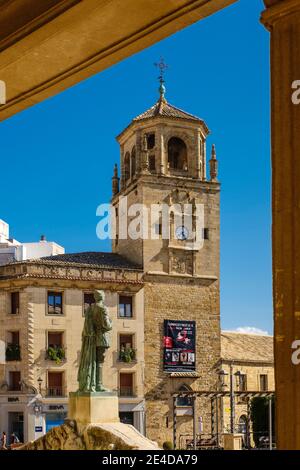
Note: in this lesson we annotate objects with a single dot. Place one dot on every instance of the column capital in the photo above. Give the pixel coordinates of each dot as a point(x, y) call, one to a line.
point(277, 9)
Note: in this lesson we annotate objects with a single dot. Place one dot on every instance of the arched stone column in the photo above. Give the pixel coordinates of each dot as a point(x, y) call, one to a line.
point(282, 19)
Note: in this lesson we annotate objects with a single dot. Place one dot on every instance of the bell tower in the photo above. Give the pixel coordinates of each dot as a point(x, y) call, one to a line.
point(163, 160)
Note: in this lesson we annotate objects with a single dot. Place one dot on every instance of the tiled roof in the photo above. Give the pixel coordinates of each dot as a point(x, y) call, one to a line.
point(163, 108)
point(95, 258)
point(246, 347)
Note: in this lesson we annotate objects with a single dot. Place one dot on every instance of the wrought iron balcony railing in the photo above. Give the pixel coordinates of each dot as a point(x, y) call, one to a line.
point(126, 392)
point(55, 392)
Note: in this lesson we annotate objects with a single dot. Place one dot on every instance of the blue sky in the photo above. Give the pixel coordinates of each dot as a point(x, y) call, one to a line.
point(57, 157)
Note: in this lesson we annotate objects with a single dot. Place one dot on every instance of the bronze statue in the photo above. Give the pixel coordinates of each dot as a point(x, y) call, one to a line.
point(94, 344)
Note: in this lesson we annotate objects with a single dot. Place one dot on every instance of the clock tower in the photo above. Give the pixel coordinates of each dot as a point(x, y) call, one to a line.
point(163, 162)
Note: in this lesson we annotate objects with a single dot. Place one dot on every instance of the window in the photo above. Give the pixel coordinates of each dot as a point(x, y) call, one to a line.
point(152, 164)
point(126, 417)
point(14, 303)
point(263, 382)
point(206, 233)
point(177, 154)
point(127, 166)
point(55, 384)
point(126, 385)
point(125, 306)
point(158, 226)
point(55, 349)
point(150, 141)
point(14, 380)
point(126, 351)
point(13, 351)
point(133, 162)
point(126, 341)
point(242, 382)
point(55, 303)
point(184, 400)
point(88, 300)
point(242, 424)
point(14, 337)
point(55, 339)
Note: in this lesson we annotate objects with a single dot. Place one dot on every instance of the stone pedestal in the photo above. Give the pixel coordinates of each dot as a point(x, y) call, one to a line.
point(233, 441)
point(94, 407)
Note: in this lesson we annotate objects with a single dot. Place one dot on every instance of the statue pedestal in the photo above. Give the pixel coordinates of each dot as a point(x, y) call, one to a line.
point(94, 407)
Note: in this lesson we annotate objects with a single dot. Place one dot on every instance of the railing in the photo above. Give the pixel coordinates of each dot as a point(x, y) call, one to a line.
point(13, 352)
point(14, 388)
point(126, 392)
point(55, 392)
point(250, 441)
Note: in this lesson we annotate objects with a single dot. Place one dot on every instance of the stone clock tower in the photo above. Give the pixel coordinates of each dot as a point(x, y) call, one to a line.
point(163, 160)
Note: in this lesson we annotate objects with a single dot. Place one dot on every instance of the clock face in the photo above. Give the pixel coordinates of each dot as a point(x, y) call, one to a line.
point(182, 233)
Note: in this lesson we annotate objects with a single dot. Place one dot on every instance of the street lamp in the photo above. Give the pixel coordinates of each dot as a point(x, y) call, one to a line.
point(40, 380)
point(37, 408)
point(222, 373)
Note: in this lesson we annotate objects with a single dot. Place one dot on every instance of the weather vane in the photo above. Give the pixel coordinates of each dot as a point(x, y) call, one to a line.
point(162, 66)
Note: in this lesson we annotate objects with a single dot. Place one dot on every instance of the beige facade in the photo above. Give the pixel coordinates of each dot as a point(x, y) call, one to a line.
point(249, 358)
point(34, 324)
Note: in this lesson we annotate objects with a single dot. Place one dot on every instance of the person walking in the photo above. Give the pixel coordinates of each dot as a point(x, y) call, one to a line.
point(4, 441)
point(14, 438)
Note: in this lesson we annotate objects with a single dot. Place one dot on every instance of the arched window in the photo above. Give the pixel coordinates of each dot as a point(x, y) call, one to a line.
point(184, 400)
point(242, 424)
point(127, 166)
point(133, 162)
point(177, 154)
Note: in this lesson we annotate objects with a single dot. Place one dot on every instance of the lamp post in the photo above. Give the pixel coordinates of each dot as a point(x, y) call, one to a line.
point(222, 374)
point(40, 381)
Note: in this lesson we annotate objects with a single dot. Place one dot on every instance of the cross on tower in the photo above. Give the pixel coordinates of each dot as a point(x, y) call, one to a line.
point(162, 66)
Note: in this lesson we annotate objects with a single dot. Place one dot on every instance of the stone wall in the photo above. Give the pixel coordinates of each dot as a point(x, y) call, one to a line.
point(179, 299)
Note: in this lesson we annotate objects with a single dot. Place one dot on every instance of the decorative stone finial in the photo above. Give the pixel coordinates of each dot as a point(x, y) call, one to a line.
point(213, 164)
point(115, 181)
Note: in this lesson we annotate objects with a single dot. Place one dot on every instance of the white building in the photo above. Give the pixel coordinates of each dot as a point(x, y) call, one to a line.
point(13, 250)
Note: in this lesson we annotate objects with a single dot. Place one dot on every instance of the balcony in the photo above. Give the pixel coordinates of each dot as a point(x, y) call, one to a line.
point(13, 352)
point(127, 392)
point(53, 392)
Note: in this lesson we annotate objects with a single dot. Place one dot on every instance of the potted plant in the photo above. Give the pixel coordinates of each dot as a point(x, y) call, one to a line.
point(13, 352)
point(55, 353)
point(127, 354)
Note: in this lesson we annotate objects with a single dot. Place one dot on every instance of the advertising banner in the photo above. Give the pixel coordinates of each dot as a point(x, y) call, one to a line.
point(179, 346)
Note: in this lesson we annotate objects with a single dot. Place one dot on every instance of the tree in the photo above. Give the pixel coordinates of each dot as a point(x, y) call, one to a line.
point(260, 418)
